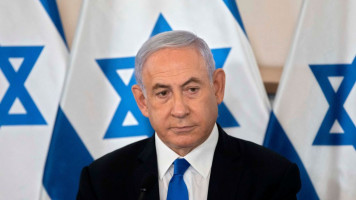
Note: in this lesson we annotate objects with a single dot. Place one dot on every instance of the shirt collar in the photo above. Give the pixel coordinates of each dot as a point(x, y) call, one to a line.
point(200, 158)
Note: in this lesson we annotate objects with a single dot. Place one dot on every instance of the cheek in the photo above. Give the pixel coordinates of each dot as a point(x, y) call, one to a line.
point(158, 115)
point(208, 110)
point(207, 104)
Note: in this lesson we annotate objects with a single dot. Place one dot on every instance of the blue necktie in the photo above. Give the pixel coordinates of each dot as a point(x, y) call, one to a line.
point(177, 190)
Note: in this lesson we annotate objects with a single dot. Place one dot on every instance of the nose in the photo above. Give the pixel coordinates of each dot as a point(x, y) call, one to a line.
point(179, 109)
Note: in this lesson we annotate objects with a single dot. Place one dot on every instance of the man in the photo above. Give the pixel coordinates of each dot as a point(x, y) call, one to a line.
point(189, 156)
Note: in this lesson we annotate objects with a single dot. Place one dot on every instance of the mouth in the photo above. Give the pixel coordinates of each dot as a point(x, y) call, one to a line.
point(182, 129)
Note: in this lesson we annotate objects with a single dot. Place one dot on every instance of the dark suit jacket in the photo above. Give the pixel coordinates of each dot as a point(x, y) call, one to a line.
point(240, 170)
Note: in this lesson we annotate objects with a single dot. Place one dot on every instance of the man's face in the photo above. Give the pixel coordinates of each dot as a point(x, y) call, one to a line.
point(180, 102)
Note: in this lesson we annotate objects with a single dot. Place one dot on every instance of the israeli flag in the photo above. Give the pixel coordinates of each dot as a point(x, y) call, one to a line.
point(33, 58)
point(98, 113)
point(314, 115)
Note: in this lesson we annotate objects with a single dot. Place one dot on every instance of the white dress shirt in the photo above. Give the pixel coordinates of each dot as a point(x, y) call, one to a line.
point(197, 175)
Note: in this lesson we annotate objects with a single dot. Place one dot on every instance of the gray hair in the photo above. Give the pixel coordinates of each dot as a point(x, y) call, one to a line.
point(172, 39)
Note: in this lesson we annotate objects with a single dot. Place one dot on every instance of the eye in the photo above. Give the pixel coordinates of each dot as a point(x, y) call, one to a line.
point(193, 90)
point(161, 94)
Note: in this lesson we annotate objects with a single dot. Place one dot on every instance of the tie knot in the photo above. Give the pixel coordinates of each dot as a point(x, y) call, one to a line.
point(180, 166)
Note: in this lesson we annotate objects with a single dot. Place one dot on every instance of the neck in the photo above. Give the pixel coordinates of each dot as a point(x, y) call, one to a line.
point(182, 151)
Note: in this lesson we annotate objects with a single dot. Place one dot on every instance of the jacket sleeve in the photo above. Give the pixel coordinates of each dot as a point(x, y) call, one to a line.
point(290, 184)
point(85, 191)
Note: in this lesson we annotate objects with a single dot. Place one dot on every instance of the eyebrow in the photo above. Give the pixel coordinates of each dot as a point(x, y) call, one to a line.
point(191, 80)
point(159, 85)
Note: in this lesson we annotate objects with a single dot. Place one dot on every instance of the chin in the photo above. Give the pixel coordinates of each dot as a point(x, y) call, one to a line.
point(186, 143)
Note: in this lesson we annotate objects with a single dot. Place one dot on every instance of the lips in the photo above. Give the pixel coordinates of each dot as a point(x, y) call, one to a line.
point(182, 129)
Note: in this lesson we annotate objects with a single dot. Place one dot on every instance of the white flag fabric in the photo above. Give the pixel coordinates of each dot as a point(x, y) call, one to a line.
point(315, 111)
point(33, 58)
point(98, 112)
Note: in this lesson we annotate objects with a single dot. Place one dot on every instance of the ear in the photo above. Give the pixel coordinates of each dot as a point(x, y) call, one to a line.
point(140, 99)
point(219, 84)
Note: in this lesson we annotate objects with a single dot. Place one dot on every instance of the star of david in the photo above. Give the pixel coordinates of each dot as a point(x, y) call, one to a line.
point(16, 90)
point(128, 108)
point(336, 98)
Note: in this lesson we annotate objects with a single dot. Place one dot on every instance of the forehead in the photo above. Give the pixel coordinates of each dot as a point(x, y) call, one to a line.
point(174, 63)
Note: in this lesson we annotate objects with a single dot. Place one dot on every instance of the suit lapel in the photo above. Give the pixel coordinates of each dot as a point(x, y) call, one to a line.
point(225, 172)
point(147, 169)
point(226, 169)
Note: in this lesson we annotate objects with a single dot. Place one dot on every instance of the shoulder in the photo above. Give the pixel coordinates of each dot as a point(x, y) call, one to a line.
point(263, 172)
point(256, 159)
point(252, 154)
point(257, 156)
point(266, 166)
point(119, 160)
point(111, 175)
